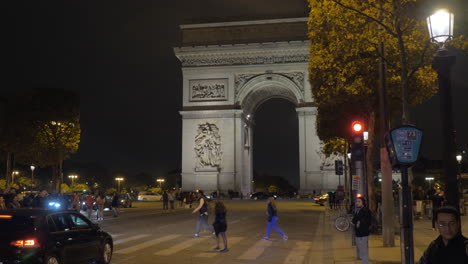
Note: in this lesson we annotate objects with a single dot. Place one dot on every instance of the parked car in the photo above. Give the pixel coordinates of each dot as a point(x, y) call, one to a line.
point(260, 195)
point(149, 196)
point(52, 237)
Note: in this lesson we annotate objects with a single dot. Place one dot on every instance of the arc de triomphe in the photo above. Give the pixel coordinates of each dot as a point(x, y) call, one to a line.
point(229, 69)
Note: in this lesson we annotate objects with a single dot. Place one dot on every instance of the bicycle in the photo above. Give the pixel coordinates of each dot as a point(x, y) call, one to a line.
point(343, 221)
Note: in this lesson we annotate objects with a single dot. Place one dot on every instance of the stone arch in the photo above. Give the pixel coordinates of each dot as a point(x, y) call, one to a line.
point(266, 86)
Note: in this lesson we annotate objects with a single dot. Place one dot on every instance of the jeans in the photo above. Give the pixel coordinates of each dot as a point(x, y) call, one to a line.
point(203, 219)
point(273, 224)
point(362, 249)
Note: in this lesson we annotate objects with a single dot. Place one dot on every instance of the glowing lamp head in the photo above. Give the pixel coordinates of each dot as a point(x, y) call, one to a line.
point(358, 195)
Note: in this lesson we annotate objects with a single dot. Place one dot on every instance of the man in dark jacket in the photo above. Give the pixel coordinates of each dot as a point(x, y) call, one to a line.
point(451, 246)
point(362, 221)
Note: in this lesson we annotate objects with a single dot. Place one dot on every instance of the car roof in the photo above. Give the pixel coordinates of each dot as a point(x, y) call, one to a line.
point(31, 211)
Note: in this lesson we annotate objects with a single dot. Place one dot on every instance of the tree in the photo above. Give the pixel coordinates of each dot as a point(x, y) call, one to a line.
point(344, 56)
point(56, 129)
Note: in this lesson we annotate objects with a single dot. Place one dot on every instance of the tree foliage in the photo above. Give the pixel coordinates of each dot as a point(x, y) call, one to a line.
point(344, 56)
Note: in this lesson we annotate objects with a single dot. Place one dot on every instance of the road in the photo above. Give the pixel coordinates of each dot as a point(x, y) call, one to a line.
point(146, 234)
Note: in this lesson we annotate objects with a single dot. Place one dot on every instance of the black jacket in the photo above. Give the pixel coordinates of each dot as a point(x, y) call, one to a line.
point(456, 251)
point(362, 221)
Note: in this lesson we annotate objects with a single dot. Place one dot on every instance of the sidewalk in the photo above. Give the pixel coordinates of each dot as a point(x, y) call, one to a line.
point(339, 243)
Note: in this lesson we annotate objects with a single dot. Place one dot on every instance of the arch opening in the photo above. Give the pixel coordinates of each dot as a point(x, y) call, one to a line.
point(276, 146)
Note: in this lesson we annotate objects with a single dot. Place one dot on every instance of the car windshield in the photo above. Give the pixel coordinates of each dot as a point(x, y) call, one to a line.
point(17, 224)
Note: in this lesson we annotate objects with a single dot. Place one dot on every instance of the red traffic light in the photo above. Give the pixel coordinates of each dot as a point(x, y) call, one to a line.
point(357, 126)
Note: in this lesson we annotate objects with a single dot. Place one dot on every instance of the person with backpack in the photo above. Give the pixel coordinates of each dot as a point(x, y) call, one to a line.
point(362, 221)
point(202, 210)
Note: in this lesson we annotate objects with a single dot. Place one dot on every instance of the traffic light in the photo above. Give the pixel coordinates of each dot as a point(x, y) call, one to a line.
point(338, 167)
point(357, 141)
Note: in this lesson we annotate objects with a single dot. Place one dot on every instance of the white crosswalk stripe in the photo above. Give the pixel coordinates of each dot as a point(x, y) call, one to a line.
point(180, 247)
point(146, 244)
point(231, 242)
point(256, 250)
point(298, 253)
point(124, 240)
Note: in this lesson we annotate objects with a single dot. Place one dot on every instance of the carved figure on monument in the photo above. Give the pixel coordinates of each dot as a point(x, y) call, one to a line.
point(208, 146)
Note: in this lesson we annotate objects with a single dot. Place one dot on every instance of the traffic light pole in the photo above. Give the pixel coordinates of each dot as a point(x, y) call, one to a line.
point(406, 221)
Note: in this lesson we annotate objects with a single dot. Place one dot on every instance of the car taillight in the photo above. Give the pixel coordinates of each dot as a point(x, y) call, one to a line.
point(25, 243)
point(6, 216)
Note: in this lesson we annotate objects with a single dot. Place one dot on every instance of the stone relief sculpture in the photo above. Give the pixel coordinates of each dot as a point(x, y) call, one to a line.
point(208, 90)
point(208, 146)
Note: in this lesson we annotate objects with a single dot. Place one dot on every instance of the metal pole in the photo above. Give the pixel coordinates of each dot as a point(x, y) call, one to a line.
point(406, 220)
point(443, 63)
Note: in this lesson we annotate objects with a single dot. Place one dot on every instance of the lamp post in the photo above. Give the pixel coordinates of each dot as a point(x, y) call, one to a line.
point(119, 179)
point(73, 177)
point(440, 26)
point(13, 173)
point(160, 181)
point(32, 176)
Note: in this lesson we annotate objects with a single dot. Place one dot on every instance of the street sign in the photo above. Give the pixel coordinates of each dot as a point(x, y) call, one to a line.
point(403, 144)
point(356, 183)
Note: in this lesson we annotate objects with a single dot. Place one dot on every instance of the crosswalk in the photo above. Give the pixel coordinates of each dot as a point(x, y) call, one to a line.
point(174, 244)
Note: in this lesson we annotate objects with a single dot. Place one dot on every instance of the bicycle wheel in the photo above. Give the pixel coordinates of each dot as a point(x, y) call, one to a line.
point(342, 223)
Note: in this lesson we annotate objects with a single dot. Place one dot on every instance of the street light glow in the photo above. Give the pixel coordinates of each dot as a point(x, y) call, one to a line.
point(440, 26)
point(459, 158)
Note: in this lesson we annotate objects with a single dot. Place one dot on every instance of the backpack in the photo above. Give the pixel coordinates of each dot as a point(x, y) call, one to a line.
point(89, 201)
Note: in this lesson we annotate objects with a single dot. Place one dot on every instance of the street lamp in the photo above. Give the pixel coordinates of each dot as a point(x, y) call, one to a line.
point(440, 26)
point(32, 175)
point(73, 177)
point(13, 173)
point(119, 179)
point(160, 181)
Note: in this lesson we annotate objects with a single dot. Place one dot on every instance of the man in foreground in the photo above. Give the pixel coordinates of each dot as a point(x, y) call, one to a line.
point(451, 246)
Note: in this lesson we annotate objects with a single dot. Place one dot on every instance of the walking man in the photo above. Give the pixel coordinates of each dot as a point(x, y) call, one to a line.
point(362, 221)
point(202, 210)
point(165, 199)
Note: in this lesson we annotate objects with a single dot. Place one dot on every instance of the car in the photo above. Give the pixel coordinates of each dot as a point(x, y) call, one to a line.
point(149, 196)
point(260, 195)
point(321, 199)
point(52, 237)
point(126, 200)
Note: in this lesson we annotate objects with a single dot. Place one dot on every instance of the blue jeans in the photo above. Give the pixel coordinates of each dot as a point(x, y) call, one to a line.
point(273, 224)
point(203, 219)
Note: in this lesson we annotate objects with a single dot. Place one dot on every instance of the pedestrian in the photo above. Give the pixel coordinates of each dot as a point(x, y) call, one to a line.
point(450, 246)
point(41, 199)
point(100, 201)
point(76, 203)
point(362, 221)
point(115, 204)
point(171, 198)
point(14, 203)
point(165, 198)
point(272, 213)
point(189, 199)
point(331, 199)
point(437, 202)
point(202, 211)
point(220, 225)
point(89, 202)
point(2, 203)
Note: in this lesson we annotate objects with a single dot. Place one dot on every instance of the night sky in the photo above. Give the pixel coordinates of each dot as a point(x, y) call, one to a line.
point(118, 55)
